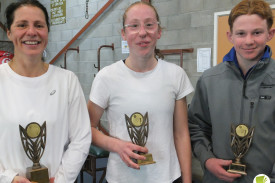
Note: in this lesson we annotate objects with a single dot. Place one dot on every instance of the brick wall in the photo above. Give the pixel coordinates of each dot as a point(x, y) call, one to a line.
point(187, 24)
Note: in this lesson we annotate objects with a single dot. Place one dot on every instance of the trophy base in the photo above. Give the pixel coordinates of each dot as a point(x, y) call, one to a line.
point(237, 168)
point(39, 175)
point(147, 161)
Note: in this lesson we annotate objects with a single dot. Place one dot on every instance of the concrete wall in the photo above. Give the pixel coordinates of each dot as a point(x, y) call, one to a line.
point(4, 4)
point(187, 24)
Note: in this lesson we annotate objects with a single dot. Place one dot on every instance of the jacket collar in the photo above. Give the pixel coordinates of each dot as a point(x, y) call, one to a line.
point(231, 57)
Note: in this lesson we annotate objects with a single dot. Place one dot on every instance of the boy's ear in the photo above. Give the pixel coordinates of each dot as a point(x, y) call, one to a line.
point(270, 34)
point(229, 36)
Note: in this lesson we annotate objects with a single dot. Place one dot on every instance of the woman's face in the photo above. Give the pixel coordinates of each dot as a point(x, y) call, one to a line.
point(141, 42)
point(29, 31)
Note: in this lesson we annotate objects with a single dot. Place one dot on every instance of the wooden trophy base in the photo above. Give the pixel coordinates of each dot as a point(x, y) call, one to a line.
point(39, 175)
point(147, 161)
point(237, 168)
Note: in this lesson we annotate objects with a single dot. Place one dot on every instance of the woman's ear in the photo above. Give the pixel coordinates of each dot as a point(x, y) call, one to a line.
point(9, 35)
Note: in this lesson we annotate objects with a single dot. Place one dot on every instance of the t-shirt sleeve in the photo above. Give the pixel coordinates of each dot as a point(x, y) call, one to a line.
point(6, 176)
point(184, 85)
point(99, 91)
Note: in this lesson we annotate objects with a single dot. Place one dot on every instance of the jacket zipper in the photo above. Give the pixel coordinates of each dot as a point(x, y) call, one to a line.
point(250, 112)
point(242, 102)
point(245, 97)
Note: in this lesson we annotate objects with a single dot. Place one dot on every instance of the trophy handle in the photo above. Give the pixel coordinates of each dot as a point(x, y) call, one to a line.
point(138, 135)
point(240, 146)
point(26, 142)
point(34, 148)
point(233, 134)
point(127, 119)
point(249, 141)
point(246, 142)
point(233, 140)
point(42, 140)
point(145, 129)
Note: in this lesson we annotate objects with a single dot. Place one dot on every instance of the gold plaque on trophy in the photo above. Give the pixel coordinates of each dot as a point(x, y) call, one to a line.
point(33, 139)
point(138, 126)
point(241, 138)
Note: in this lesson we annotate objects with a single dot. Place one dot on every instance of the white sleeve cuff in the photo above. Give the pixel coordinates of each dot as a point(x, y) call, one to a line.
point(7, 176)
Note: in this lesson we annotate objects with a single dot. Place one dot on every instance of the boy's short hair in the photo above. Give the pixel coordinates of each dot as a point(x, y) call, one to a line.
point(250, 7)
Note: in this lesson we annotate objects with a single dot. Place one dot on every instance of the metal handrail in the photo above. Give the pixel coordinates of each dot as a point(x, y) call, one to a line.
point(98, 55)
point(3, 26)
point(65, 56)
point(177, 51)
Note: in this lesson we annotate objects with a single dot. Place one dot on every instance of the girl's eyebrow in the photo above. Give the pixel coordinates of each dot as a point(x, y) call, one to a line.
point(146, 19)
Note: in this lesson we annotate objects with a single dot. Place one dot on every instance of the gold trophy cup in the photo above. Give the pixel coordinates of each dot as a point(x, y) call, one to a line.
point(241, 138)
point(138, 126)
point(33, 139)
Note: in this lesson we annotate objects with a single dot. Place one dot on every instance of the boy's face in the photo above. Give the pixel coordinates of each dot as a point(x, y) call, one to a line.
point(249, 36)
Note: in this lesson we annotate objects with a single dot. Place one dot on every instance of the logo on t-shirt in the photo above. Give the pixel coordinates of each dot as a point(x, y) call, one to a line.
point(53, 92)
point(261, 178)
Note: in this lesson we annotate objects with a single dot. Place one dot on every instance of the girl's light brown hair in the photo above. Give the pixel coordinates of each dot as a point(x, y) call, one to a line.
point(250, 7)
point(137, 3)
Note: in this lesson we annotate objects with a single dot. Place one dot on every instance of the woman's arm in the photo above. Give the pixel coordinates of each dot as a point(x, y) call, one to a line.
point(79, 135)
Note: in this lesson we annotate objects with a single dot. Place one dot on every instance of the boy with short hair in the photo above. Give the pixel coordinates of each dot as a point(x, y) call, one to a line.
point(238, 92)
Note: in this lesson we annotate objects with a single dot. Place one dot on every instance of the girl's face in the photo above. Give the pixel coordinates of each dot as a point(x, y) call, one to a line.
point(29, 31)
point(141, 30)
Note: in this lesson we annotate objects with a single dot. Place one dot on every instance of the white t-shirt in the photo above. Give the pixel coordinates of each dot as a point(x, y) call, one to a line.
point(55, 97)
point(121, 91)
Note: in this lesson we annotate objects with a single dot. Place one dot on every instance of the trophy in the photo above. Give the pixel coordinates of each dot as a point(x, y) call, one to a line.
point(138, 126)
point(241, 138)
point(33, 139)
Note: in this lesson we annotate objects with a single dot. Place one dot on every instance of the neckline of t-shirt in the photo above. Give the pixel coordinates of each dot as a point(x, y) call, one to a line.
point(142, 74)
point(24, 78)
